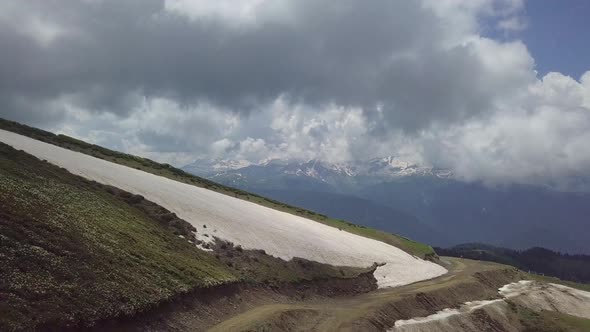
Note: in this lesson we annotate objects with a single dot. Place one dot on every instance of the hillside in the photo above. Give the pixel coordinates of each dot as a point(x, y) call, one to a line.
point(167, 171)
point(474, 296)
point(74, 250)
point(244, 223)
point(131, 228)
point(537, 260)
point(75, 253)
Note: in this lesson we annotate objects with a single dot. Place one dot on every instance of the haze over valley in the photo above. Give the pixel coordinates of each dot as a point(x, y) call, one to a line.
point(422, 202)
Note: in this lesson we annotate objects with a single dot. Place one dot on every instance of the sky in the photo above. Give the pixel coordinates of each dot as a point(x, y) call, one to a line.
point(558, 25)
point(497, 90)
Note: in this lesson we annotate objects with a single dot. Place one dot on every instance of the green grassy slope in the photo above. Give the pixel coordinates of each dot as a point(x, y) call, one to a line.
point(71, 252)
point(548, 321)
point(412, 247)
point(580, 286)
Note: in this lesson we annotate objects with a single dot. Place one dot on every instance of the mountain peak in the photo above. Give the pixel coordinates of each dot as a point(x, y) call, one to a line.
point(380, 167)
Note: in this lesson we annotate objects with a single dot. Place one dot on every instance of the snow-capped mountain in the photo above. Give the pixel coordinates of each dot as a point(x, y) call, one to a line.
point(395, 167)
point(377, 168)
point(213, 166)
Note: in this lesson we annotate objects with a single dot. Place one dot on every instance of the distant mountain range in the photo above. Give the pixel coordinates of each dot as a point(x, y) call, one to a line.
point(422, 202)
point(337, 175)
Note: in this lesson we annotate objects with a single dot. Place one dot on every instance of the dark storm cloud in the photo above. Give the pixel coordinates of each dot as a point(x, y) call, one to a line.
point(350, 53)
point(295, 79)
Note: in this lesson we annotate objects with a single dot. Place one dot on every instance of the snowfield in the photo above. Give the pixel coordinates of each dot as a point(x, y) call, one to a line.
point(253, 226)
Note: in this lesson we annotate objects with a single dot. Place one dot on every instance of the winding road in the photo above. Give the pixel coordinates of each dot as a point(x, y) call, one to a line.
point(343, 314)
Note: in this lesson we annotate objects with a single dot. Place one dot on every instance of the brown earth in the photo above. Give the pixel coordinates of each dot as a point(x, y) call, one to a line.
point(329, 304)
point(204, 308)
point(378, 310)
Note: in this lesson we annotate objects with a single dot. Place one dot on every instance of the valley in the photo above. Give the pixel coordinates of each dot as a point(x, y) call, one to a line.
point(424, 203)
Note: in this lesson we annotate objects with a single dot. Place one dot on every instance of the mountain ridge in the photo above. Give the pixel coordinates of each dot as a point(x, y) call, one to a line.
point(516, 216)
point(379, 167)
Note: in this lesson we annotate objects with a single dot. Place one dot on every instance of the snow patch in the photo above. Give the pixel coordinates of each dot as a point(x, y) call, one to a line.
point(448, 312)
point(244, 223)
point(534, 295)
point(506, 291)
point(515, 288)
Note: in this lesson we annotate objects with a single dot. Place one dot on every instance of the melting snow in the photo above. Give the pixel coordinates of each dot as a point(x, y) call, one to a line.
point(446, 313)
point(538, 296)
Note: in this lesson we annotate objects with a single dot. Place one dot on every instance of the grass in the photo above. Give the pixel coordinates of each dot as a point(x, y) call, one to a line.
point(548, 321)
point(71, 253)
point(415, 248)
point(165, 170)
point(580, 286)
point(74, 252)
point(258, 267)
point(569, 322)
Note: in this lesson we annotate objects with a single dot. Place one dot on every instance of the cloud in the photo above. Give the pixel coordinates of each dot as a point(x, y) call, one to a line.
point(538, 139)
point(512, 24)
point(230, 10)
point(348, 53)
point(253, 79)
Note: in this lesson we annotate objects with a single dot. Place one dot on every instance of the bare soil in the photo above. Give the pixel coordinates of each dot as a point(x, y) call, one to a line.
point(330, 304)
point(204, 308)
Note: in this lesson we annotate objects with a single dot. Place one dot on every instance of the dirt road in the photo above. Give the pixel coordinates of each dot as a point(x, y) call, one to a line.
point(364, 311)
